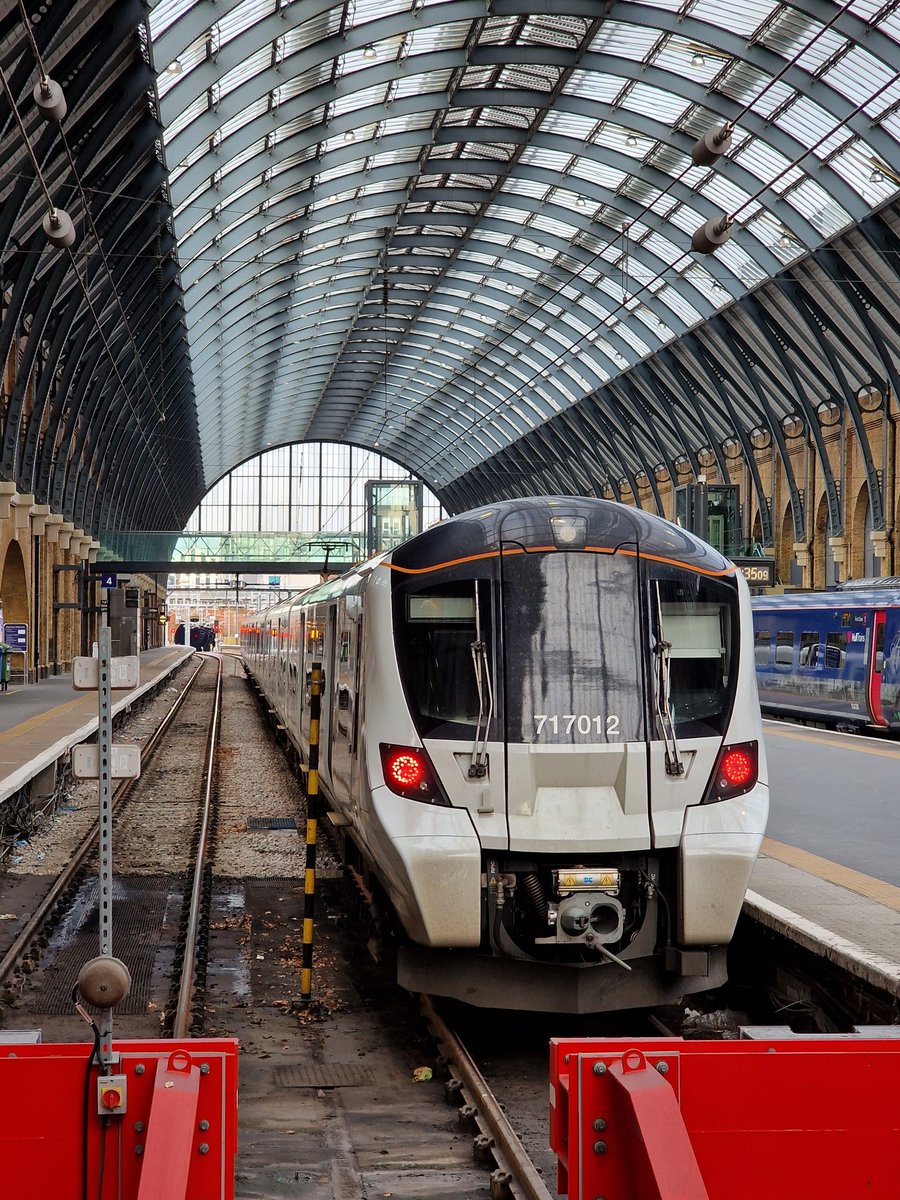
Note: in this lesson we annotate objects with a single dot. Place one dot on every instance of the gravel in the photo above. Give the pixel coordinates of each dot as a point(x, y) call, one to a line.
point(47, 851)
point(256, 780)
point(154, 833)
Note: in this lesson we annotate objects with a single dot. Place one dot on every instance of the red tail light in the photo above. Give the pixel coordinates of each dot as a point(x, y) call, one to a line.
point(408, 772)
point(736, 772)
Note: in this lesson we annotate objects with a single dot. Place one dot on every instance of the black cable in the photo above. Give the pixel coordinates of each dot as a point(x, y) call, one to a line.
point(93, 1057)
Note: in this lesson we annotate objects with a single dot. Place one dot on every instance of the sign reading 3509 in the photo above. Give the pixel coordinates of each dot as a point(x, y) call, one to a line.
point(759, 572)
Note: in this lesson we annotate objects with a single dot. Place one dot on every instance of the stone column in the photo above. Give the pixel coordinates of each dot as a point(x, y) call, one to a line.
point(804, 561)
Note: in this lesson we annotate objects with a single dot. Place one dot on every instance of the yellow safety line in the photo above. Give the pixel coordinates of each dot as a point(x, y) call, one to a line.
point(38, 720)
point(52, 713)
point(848, 741)
point(823, 868)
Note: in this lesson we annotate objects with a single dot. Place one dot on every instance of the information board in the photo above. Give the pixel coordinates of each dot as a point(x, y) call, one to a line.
point(16, 636)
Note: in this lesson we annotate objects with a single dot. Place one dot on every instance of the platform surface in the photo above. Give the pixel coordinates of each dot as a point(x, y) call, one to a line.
point(829, 872)
point(42, 721)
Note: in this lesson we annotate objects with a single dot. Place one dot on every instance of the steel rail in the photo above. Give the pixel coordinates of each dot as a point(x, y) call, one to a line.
point(530, 1181)
point(26, 935)
point(182, 1018)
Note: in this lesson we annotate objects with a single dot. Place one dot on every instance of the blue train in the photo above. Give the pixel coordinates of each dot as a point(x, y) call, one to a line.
point(832, 657)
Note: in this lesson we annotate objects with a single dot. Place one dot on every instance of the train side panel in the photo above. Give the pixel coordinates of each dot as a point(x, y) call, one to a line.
point(828, 657)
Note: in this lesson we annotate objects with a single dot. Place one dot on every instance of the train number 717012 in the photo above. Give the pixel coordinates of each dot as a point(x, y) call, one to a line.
point(582, 724)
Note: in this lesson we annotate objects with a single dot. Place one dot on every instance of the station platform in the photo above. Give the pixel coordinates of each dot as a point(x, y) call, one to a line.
point(41, 722)
point(828, 874)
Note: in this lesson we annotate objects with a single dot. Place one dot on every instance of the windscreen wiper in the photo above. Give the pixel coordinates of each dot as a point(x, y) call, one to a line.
point(478, 767)
point(663, 652)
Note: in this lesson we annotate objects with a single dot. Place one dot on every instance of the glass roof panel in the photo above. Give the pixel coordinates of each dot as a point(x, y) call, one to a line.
point(310, 129)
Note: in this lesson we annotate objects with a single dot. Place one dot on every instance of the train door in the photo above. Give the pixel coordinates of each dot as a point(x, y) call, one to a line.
point(575, 701)
point(329, 695)
point(343, 701)
point(890, 668)
point(281, 651)
point(876, 668)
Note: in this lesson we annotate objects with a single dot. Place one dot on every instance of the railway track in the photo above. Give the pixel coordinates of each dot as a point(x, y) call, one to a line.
point(164, 822)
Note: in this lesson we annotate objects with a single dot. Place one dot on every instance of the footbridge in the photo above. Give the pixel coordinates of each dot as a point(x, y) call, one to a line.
point(296, 553)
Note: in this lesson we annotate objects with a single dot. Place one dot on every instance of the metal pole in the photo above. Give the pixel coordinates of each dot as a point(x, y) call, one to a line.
point(312, 820)
point(104, 747)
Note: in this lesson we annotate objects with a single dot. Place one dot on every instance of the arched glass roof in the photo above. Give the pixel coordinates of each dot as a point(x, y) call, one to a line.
point(432, 226)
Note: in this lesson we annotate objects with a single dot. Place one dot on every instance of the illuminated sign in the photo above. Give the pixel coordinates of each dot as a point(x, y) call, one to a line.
point(759, 572)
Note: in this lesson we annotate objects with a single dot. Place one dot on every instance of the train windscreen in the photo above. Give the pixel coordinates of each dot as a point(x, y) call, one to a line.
point(698, 618)
point(571, 648)
point(437, 629)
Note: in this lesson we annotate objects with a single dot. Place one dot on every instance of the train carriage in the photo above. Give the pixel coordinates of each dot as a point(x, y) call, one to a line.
point(541, 733)
point(831, 657)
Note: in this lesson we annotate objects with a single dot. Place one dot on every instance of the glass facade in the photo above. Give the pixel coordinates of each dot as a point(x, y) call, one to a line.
point(311, 487)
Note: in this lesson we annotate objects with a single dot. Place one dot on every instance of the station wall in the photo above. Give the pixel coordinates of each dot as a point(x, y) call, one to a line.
point(812, 551)
point(46, 584)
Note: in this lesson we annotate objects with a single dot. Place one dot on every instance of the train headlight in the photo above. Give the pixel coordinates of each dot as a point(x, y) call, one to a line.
point(408, 772)
point(569, 532)
point(736, 772)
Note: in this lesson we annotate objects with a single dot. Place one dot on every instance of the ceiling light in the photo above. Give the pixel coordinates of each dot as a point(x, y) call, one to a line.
point(876, 176)
point(631, 140)
point(698, 60)
point(175, 67)
point(784, 241)
point(717, 287)
point(349, 136)
point(370, 53)
point(581, 202)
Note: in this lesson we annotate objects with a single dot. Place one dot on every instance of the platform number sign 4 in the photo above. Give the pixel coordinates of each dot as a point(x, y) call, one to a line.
point(109, 580)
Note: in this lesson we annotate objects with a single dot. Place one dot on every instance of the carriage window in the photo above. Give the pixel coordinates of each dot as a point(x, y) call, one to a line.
point(835, 652)
point(809, 649)
point(763, 642)
point(784, 647)
point(879, 649)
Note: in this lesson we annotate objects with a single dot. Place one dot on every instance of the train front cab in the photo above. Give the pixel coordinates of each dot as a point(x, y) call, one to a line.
point(540, 681)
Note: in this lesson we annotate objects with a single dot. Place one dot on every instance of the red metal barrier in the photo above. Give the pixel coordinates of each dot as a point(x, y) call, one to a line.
point(177, 1137)
point(665, 1119)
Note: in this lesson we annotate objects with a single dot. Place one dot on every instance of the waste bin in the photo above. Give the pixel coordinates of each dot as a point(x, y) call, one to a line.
point(5, 651)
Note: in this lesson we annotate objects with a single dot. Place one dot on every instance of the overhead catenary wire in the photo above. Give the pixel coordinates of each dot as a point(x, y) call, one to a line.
point(39, 177)
point(86, 208)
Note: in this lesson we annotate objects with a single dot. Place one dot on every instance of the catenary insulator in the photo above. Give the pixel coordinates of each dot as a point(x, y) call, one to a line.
point(712, 145)
point(59, 228)
point(709, 237)
point(49, 98)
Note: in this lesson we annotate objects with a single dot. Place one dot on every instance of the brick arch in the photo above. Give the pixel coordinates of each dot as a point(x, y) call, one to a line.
point(14, 585)
point(823, 571)
point(862, 560)
point(784, 551)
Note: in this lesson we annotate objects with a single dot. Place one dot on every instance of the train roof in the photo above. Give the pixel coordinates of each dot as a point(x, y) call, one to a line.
point(870, 598)
point(527, 523)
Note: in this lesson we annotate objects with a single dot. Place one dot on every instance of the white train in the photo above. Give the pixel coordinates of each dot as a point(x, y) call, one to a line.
point(541, 739)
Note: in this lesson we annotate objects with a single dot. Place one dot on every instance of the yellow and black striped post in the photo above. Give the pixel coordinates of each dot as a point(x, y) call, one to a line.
point(312, 822)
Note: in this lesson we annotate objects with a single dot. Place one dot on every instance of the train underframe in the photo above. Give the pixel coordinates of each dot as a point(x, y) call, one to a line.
point(562, 935)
